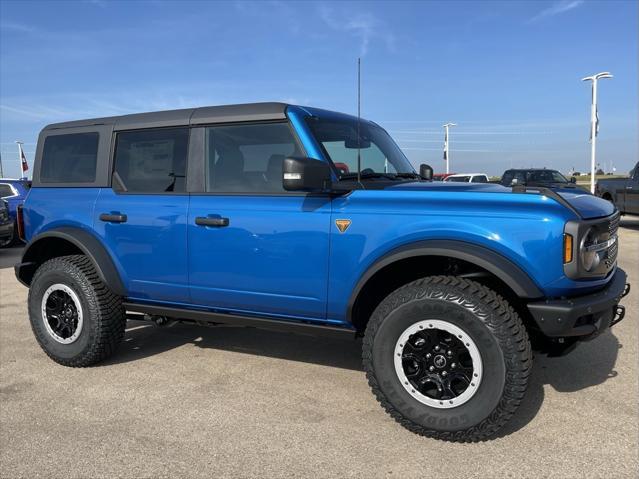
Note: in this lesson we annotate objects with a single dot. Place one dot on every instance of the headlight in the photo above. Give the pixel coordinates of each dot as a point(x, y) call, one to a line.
point(589, 258)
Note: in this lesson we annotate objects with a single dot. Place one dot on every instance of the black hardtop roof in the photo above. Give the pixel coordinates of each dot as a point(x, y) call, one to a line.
point(187, 116)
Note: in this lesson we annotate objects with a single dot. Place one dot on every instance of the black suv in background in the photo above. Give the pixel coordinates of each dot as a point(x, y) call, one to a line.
point(6, 224)
point(537, 177)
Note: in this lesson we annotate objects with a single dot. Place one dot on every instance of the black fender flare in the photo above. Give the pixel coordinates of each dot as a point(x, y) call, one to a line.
point(493, 262)
point(85, 242)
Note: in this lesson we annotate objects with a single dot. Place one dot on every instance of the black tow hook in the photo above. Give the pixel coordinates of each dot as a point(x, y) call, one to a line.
point(620, 312)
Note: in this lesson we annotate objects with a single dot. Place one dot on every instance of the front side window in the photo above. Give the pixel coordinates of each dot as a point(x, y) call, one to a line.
point(511, 175)
point(479, 179)
point(69, 158)
point(248, 158)
point(152, 161)
point(379, 154)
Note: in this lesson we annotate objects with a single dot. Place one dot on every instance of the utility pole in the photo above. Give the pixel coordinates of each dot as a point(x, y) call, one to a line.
point(1, 171)
point(594, 124)
point(447, 146)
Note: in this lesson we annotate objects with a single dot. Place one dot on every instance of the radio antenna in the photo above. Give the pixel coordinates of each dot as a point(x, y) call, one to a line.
point(359, 106)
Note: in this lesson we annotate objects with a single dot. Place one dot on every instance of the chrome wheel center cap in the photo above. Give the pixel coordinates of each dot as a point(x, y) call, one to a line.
point(439, 361)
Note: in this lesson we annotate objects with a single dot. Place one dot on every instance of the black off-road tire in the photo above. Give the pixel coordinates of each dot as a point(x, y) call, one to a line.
point(491, 323)
point(104, 317)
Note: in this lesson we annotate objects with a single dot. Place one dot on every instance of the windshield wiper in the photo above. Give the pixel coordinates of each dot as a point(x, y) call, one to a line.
point(366, 176)
point(408, 175)
point(389, 176)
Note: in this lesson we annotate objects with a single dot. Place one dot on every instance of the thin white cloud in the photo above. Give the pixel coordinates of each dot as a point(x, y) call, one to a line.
point(557, 8)
point(16, 27)
point(98, 3)
point(364, 26)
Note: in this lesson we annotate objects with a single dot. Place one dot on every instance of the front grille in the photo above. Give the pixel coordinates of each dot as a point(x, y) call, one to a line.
point(610, 255)
point(613, 225)
point(596, 236)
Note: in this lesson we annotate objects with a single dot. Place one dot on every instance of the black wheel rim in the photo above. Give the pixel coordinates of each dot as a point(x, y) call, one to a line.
point(438, 363)
point(62, 313)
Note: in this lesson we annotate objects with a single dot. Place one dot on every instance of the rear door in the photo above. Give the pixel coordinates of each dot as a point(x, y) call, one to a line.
point(142, 218)
point(253, 247)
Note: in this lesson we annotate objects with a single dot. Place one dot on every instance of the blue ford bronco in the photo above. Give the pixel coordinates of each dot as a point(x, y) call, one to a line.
point(293, 218)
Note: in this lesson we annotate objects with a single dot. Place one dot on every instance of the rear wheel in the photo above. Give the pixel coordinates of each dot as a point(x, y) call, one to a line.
point(447, 358)
point(77, 320)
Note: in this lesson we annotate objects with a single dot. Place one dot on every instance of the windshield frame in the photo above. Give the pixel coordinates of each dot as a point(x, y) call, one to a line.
point(400, 174)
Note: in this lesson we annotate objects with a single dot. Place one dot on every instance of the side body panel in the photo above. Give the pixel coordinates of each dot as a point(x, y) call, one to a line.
point(272, 258)
point(150, 247)
point(525, 229)
point(48, 208)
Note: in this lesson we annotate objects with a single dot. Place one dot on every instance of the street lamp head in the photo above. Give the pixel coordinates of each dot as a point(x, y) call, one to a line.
point(449, 124)
point(598, 76)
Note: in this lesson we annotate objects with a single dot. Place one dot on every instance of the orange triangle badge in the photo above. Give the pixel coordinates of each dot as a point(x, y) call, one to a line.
point(342, 225)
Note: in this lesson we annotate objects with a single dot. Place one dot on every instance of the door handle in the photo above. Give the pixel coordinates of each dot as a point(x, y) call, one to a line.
point(209, 221)
point(113, 217)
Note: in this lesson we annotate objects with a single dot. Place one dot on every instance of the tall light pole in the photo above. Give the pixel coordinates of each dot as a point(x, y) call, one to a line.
point(446, 145)
point(594, 124)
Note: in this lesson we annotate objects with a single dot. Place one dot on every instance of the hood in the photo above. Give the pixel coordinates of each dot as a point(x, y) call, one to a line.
point(587, 205)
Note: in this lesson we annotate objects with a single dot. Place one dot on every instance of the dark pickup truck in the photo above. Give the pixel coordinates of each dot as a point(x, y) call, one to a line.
point(623, 192)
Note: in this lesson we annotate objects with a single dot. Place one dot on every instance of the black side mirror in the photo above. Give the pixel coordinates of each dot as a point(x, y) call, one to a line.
point(305, 174)
point(426, 172)
point(573, 179)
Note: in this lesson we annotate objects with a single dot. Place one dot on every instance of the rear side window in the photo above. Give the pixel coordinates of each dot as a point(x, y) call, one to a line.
point(6, 190)
point(152, 161)
point(479, 179)
point(69, 158)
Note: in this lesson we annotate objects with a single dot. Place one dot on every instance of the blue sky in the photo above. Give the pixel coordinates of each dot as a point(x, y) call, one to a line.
point(507, 72)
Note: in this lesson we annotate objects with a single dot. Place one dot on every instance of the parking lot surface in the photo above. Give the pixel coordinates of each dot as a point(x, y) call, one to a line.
point(194, 401)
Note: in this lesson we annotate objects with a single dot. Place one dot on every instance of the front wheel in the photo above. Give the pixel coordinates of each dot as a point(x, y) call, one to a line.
point(447, 358)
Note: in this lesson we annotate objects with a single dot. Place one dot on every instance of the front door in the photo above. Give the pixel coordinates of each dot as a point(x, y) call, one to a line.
point(142, 219)
point(253, 247)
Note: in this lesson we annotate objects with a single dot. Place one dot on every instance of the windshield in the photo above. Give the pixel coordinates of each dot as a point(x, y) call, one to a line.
point(534, 176)
point(378, 152)
point(458, 179)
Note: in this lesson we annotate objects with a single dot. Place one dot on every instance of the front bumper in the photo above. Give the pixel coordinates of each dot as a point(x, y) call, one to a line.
point(583, 316)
